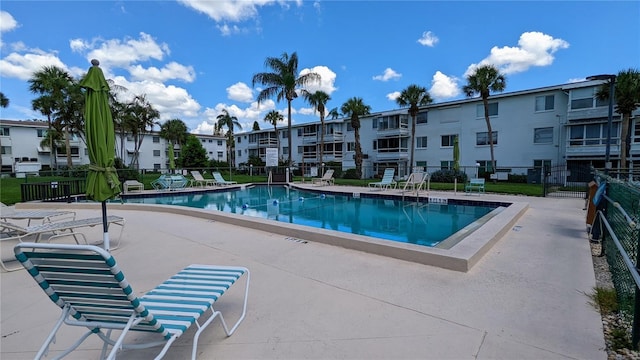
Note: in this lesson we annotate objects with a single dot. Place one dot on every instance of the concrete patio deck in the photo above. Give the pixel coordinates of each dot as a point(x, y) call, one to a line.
point(524, 299)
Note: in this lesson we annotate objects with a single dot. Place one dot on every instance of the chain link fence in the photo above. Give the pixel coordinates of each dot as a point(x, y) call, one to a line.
point(617, 226)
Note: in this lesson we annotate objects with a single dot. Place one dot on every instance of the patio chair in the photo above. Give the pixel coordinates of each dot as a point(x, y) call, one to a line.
point(415, 181)
point(387, 181)
point(45, 216)
point(87, 284)
point(198, 179)
point(326, 179)
point(132, 185)
point(58, 228)
point(219, 180)
point(161, 183)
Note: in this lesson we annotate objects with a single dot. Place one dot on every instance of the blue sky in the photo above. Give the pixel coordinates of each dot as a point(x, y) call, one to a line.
point(193, 58)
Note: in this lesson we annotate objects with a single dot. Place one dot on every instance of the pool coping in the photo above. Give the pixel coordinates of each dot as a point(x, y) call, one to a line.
point(462, 256)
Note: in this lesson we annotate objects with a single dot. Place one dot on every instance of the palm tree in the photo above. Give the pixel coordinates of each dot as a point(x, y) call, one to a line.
point(283, 83)
point(413, 96)
point(71, 116)
point(334, 113)
point(175, 132)
point(354, 108)
point(225, 119)
point(49, 83)
point(140, 119)
point(627, 98)
point(4, 102)
point(273, 117)
point(319, 101)
point(483, 81)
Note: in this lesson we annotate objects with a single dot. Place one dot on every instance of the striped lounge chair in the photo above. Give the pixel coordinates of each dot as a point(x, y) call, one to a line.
point(87, 284)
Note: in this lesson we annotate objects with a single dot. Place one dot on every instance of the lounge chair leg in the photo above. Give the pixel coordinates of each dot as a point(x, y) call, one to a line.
point(44, 350)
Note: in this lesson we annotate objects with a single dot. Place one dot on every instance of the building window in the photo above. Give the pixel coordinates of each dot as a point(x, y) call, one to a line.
point(421, 118)
point(220, 154)
point(156, 139)
point(239, 153)
point(156, 152)
point(300, 149)
point(447, 140)
point(210, 141)
point(593, 134)
point(585, 99)
point(421, 142)
point(482, 138)
point(284, 134)
point(285, 150)
point(219, 142)
point(484, 166)
point(545, 103)
point(374, 123)
point(446, 165)
point(4, 131)
point(240, 139)
point(129, 138)
point(5, 150)
point(156, 166)
point(542, 164)
point(42, 133)
point(351, 146)
point(86, 152)
point(543, 135)
point(493, 110)
point(421, 165)
point(349, 127)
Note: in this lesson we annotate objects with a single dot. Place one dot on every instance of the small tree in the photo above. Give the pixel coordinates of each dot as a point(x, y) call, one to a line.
point(193, 154)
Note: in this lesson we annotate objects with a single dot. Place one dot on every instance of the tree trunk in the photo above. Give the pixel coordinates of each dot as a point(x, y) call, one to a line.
point(485, 102)
point(67, 144)
point(321, 138)
point(413, 137)
point(289, 163)
point(358, 159)
point(623, 141)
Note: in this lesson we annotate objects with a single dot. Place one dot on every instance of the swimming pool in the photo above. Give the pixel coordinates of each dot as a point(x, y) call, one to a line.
point(422, 223)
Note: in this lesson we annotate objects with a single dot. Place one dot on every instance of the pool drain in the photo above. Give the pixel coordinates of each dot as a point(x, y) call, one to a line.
point(296, 240)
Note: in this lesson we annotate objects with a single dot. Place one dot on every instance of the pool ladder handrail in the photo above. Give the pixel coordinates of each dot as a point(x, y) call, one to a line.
point(270, 178)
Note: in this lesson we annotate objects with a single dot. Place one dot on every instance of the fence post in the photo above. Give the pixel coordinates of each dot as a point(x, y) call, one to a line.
point(636, 309)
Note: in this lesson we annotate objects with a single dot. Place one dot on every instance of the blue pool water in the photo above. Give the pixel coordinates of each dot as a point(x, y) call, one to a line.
point(422, 223)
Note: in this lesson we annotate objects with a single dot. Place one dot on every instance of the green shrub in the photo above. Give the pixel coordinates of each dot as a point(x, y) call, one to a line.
point(448, 176)
point(350, 174)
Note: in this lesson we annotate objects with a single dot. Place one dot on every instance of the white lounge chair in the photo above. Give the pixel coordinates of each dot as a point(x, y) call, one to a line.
point(132, 185)
point(326, 179)
point(415, 181)
point(198, 179)
point(387, 181)
point(219, 180)
point(87, 284)
point(45, 216)
point(57, 228)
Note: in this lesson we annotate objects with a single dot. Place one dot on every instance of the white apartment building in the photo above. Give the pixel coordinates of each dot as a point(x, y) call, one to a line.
point(22, 153)
point(563, 125)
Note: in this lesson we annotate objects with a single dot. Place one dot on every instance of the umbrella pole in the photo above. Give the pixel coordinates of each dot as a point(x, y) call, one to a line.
point(105, 227)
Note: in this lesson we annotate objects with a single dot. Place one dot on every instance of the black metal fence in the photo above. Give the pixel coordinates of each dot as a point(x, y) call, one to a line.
point(560, 181)
point(61, 190)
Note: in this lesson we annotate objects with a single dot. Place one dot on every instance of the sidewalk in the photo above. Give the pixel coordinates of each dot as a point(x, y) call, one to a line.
point(525, 299)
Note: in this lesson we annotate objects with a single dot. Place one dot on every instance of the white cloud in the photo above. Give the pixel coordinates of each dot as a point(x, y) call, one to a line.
point(393, 96)
point(122, 53)
point(428, 39)
point(240, 92)
point(575, 80)
point(7, 22)
point(389, 74)
point(327, 79)
point(232, 10)
point(443, 86)
point(22, 66)
point(534, 49)
point(170, 71)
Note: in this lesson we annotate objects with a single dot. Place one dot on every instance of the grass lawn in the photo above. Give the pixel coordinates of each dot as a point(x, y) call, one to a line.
point(10, 187)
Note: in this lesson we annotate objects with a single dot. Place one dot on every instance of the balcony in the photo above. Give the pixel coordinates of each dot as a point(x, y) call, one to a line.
point(386, 132)
point(388, 154)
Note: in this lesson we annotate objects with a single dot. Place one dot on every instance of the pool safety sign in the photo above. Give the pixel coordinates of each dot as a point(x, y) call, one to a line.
point(271, 157)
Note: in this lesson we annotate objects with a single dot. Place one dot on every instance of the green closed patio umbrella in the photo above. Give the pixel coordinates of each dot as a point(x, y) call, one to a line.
point(172, 161)
point(102, 179)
